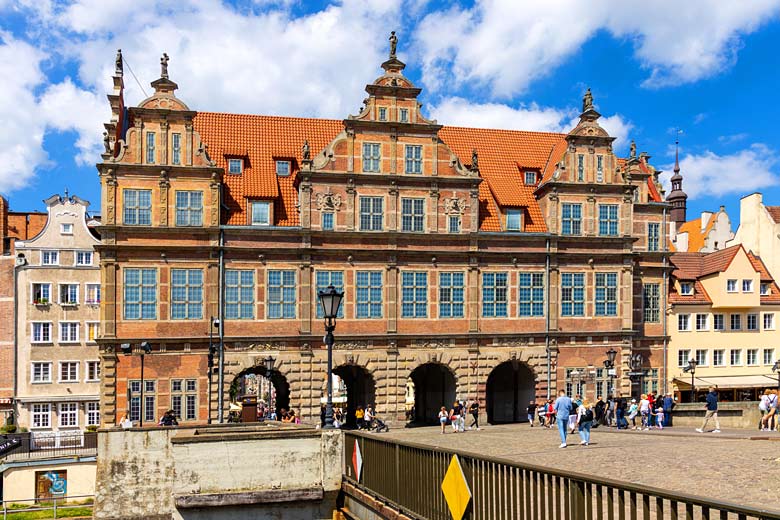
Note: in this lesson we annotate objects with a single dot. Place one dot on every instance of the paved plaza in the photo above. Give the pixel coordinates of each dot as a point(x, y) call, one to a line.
point(735, 466)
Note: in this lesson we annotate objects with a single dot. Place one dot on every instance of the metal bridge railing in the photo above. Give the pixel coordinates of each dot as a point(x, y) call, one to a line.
point(409, 477)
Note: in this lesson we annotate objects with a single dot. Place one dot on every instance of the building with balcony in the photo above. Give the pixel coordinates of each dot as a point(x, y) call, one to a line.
point(475, 262)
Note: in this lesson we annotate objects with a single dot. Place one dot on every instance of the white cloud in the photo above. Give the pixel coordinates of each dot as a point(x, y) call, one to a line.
point(505, 46)
point(457, 111)
point(709, 174)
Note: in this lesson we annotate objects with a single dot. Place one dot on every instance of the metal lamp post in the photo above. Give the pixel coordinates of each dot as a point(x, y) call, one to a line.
point(269, 366)
point(776, 368)
point(213, 323)
point(692, 369)
point(330, 299)
point(609, 364)
point(146, 348)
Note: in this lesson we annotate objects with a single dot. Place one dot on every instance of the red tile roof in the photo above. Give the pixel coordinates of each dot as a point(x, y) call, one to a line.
point(774, 290)
point(774, 212)
point(699, 295)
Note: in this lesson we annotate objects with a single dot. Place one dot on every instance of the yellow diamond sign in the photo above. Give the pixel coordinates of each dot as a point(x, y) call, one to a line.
point(456, 489)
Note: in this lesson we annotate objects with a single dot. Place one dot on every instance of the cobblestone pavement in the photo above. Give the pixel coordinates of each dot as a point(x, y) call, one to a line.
point(728, 467)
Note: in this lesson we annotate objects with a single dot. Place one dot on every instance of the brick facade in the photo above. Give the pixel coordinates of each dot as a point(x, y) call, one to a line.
point(491, 217)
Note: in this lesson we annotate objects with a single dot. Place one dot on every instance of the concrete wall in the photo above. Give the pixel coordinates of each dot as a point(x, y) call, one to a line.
point(19, 481)
point(743, 415)
point(218, 471)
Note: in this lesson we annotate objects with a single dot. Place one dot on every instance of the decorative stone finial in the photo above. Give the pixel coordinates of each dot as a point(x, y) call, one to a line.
point(393, 43)
point(306, 151)
point(632, 154)
point(474, 160)
point(119, 69)
point(587, 101)
point(164, 66)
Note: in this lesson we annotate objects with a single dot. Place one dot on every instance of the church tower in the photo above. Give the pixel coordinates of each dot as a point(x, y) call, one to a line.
point(677, 197)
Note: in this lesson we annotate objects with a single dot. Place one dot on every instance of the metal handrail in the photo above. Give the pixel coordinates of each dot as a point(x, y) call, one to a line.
point(658, 493)
point(57, 504)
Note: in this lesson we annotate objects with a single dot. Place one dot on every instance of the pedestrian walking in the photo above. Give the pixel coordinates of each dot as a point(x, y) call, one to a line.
point(530, 412)
point(585, 418)
point(659, 417)
point(769, 418)
point(644, 410)
point(562, 406)
point(541, 413)
point(599, 410)
point(456, 417)
point(620, 413)
point(573, 413)
point(443, 419)
point(668, 406)
point(474, 411)
point(633, 410)
point(712, 411)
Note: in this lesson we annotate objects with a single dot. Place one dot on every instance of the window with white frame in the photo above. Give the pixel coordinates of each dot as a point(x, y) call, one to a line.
point(235, 166)
point(683, 322)
point(718, 322)
point(686, 288)
point(189, 208)
point(371, 213)
point(412, 215)
point(414, 294)
point(682, 357)
point(93, 413)
point(413, 159)
point(606, 294)
point(736, 356)
point(531, 295)
point(766, 289)
point(451, 291)
point(50, 257)
point(41, 415)
point(280, 303)
point(608, 220)
point(239, 294)
point(175, 149)
point(68, 415)
point(530, 178)
point(495, 295)
point(736, 322)
point(140, 292)
point(747, 286)
point(261, 213)
point(41, 372)
point(92, 293)
point(653, 236)
point(371, 157)
point(69, 372)
point(652, 302)
point(403, 116)
point(514, 220)
point(731, 286)
point(283, 168)
point(41, 293)
point(752, 322)
point(93, 371)
point(769, 321)
point(186, 294)
point(382, 114)
point(83, 257)
point(69, 332)
point(184, 398)
point(137, 208)
point(93, 331)
point(69, 293)
point(572, 294)
point(571, 219)
point(599, 168)
point(323, 280)
point(752, 356)
point(701, 357)
point(368, 293)
point(41, 332)
point(718, 358)
point(702, 321)
point(769, 356)
point(150, 156)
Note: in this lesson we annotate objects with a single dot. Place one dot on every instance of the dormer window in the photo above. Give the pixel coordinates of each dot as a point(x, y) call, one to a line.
point(261, 213)
point(686, 288)
point(514, 219)
point(403, 115)
point(235, 166)
point(66, 229)
point(283, 168)
point(530, 178)
point(747, 286)
point(731, 286)
point(382, 114)
point(765, 289)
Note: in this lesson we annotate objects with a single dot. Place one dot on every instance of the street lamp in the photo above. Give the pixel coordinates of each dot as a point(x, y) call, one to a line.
point(213, 323)
point(692, 369)
point(330, 299)
point(776, 368)
point(609, 364)
point(269, 366)
point(146, 348)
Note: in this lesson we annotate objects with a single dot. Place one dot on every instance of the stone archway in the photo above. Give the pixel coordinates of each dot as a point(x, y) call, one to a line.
point(248, 381)
point(510, 388)
point(434, 386)
point(361, 390)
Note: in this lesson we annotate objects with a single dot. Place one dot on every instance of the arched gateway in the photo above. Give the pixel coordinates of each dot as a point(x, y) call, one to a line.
point(250, 383)
point(361, 389)
point(510, 388)
point(434, 387)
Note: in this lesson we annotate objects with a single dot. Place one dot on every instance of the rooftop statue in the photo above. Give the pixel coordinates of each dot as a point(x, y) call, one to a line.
point(587, 100)
point(118, 61)
point(164, 66)
point(306, 150)
point(474, 160)
point(393, 43)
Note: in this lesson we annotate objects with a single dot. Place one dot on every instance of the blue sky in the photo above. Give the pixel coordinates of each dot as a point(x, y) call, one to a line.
point(706, 67)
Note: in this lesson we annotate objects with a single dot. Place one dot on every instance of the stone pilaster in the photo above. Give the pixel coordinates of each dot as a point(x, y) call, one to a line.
point(391, 296)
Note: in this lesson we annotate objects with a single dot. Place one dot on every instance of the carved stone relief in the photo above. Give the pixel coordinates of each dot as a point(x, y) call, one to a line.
point(455, 206)
point(328, 201)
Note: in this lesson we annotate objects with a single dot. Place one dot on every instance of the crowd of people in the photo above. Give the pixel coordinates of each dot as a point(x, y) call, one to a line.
point(365, 419)
point(456, 416)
